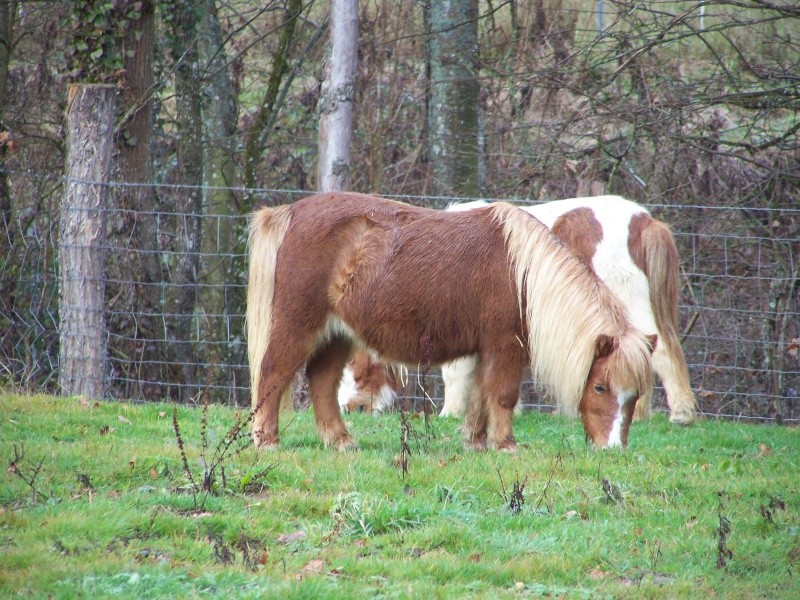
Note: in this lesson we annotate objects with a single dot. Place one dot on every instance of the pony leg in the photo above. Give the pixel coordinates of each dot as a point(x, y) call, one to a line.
point(476, 422)
point(277, 373)
point(642, 410)
point(324, 371)
point(500, 380)
point(459, 380)
point(288, 349)
point(669, 363)
point(494, 398)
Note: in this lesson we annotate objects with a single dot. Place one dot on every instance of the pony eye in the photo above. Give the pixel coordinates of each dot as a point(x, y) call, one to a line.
point(599, 389)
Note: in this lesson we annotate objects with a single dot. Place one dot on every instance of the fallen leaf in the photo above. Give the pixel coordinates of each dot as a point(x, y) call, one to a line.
point(569, 514)
point(598, 573)
point(84, 401)
point(263, 557)
point(313, 566)
point(764, 450)
point(153, 474)
point(690, 524)
point(288, 538)
point(105, 430)
point(123, 419)
point(162, 414)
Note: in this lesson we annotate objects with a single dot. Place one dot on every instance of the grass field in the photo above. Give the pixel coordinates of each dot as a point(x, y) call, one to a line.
point(707, 511)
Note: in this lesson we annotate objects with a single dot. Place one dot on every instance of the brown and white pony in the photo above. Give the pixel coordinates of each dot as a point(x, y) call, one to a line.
point(420, 286)
point(636, 257)
point(367, 384)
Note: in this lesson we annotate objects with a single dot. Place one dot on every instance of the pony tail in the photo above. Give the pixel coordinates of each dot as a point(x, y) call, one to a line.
point(662, 267)
point(267, 229)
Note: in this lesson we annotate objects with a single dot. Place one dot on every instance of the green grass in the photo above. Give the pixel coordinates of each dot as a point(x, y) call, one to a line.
point(329, 525)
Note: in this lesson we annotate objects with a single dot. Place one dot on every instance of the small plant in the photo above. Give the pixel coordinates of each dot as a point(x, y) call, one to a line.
point(556, 463)
point(613, 495)
point(515, 500)
point(768, 510)
point(428, 402)
point(653, 553)
point(233, 443)
point(359, 515)
point(724, 554)
point(406, 432)
point(28, 475)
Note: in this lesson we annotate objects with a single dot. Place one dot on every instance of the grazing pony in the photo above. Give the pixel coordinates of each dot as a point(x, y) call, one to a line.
point(367, 385)
point(636, 257)
point(420, 286)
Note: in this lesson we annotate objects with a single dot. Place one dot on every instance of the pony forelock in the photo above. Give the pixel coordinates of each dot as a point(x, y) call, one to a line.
point(268, 227)
point(565, 309)
point(630, 365)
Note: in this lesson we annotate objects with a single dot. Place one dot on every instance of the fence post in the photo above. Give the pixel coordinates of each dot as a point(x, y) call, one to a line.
point(83, 337)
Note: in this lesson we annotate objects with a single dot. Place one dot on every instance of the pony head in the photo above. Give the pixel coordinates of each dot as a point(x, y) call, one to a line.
point(619, 376)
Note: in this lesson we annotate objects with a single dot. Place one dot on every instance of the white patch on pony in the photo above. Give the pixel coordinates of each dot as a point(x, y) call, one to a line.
point(612, 261)
point(348, 391)
point(347, 388)
point(615, 435)
point(335, 327)
point(459, 379)
point(385, 399)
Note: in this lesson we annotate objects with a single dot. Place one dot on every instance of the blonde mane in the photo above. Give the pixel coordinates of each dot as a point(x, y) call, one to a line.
point(267, 229)
point(566, 308)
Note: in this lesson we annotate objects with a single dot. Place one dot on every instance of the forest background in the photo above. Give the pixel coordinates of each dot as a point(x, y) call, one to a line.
point(689, 108)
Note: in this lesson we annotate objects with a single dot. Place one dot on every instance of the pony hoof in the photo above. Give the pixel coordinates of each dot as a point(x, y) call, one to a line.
point(475, 445)
point(267, 445)
point(684, 418)
point(264, 442)
point(509, 447)
point(344, 444)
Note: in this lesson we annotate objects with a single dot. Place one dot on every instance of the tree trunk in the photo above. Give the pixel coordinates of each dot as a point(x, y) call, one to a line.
point(265, 117)
point(336, 98)
point(8, 13)
point(134, 272)
point(90, 130)
point(221, 298)
point(452, 47)
point(181, 295)
point(8, 273)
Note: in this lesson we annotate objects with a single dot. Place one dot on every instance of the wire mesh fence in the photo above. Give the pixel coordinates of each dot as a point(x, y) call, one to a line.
point(174, 312)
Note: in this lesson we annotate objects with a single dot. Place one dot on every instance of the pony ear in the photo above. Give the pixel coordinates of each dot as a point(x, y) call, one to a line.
point(652, 341)
point(604, 345)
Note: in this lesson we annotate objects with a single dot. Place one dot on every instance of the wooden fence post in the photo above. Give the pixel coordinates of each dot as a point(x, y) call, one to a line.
point(83, 337)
